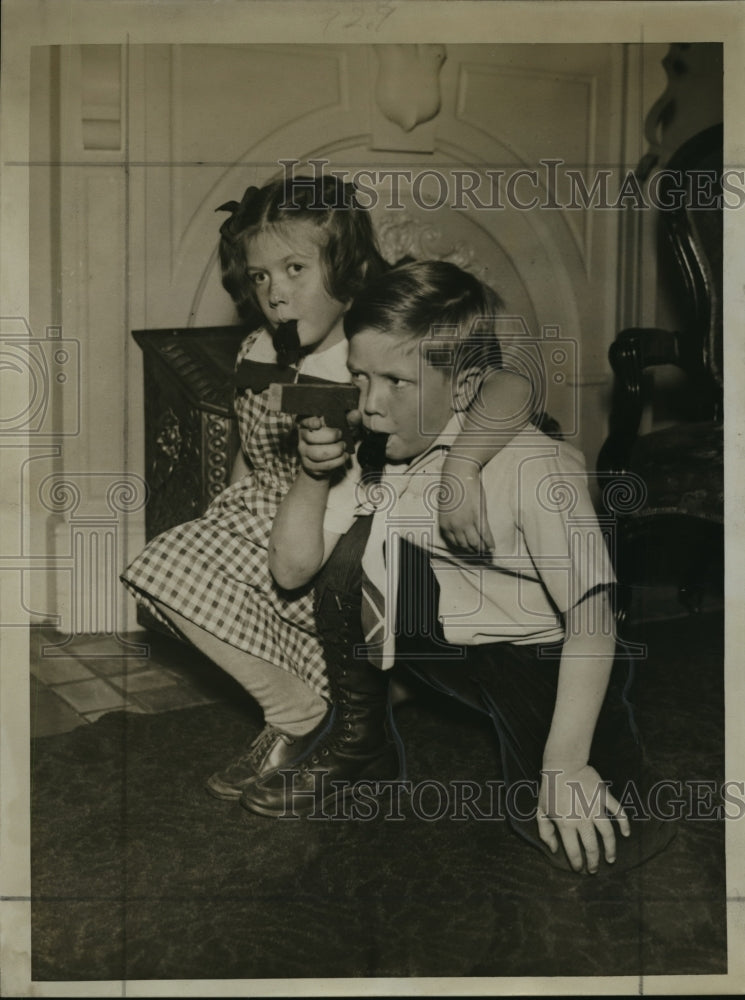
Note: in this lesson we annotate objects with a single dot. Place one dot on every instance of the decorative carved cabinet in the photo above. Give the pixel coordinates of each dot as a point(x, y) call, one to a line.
point(191, 435)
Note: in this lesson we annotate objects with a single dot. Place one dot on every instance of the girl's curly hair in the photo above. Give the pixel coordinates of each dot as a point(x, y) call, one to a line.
point(349, 249)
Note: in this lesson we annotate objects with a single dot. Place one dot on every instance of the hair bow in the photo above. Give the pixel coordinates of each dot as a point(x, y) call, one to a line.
point(240, 214)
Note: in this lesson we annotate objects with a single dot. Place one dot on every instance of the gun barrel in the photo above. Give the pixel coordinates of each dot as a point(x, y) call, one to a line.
point(312, 400)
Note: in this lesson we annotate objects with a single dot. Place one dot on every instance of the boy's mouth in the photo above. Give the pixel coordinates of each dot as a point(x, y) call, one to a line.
point(374, 428)
point(372, 450)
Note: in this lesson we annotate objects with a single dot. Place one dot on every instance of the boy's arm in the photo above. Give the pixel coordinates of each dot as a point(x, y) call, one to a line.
point(500, 409)
point(299, 545)
point(584, 671)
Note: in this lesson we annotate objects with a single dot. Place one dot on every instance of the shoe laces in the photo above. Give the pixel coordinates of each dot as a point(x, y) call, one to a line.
point(264, 742)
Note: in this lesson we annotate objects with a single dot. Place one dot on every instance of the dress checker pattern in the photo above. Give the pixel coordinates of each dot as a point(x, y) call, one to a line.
point(214, 570)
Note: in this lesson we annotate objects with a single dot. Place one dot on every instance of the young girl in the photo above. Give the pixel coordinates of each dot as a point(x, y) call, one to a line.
point(299, 249)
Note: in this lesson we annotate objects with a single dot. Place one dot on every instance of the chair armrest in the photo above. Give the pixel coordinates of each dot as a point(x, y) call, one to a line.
point(634, 350)
point(639, 348)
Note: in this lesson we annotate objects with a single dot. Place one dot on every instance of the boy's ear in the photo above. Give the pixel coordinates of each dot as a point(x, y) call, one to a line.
point(466, 388)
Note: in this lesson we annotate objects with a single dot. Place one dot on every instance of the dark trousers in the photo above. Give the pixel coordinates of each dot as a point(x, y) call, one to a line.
point(514, 685)
point(338, 595)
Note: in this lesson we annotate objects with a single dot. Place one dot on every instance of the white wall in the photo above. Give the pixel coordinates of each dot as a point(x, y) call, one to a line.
point(150, 139)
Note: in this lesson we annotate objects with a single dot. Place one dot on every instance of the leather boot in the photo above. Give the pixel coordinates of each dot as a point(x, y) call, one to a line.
point(361, 743)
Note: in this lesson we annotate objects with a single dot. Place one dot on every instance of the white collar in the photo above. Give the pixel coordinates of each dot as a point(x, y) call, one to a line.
point(329, 364)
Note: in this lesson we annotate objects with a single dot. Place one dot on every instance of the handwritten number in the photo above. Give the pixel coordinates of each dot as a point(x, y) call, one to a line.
point(382, 12)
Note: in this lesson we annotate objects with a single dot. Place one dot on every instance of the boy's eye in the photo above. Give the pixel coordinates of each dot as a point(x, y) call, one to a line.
point(398, 383)
point(357, 376)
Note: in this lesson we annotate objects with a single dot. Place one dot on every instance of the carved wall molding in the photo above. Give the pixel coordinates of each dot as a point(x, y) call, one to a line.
point(401, 235)
point(545, 136)
point(407, 88)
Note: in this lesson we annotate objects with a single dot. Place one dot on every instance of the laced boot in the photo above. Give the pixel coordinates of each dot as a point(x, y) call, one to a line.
point(270, 750)
point(361, 744)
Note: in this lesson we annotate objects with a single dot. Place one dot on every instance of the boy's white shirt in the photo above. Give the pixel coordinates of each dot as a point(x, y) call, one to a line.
point(549, 549)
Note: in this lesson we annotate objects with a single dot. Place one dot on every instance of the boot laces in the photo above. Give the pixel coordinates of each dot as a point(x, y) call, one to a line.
point(325, 749)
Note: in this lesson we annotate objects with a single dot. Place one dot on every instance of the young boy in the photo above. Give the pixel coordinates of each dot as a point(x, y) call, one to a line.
point(524, 633)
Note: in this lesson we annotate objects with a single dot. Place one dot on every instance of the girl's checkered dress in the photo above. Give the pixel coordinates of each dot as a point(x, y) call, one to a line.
point(214, 570)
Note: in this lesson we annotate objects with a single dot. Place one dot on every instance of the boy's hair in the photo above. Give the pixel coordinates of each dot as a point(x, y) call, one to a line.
point(349, 250)
point(436, 300)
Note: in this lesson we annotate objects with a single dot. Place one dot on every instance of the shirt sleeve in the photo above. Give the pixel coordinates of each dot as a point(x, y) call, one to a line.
point(559, 526)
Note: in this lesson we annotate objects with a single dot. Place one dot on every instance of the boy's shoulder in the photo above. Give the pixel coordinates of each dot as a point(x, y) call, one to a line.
point(533, 467)
point(538, 477)
point(537, 449)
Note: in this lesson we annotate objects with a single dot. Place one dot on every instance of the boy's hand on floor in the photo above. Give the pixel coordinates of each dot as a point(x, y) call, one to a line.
point(321, 448)
point(578, 807)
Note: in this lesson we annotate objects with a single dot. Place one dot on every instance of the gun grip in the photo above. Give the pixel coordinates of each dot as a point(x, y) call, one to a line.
point(347, 433)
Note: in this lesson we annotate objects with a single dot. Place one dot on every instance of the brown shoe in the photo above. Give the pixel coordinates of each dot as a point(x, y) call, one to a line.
point(270, 750)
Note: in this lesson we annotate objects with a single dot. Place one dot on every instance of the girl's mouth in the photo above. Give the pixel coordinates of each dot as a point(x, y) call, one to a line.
point(287, 342)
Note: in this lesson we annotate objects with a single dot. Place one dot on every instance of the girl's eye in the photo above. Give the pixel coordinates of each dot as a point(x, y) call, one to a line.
point(257, 277)
point(294, 269)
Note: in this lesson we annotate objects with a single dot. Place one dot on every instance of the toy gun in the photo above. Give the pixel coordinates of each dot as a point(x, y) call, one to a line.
point(317, 398)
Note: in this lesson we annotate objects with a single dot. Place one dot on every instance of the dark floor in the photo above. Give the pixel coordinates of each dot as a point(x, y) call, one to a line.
point(138, 874)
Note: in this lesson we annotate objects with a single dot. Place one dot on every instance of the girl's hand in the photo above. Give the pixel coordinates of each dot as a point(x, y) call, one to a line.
point(464, 524)
point(321, 448)
point(579, 806)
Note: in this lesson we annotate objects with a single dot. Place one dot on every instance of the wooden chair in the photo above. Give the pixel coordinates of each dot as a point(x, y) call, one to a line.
point(666, 488)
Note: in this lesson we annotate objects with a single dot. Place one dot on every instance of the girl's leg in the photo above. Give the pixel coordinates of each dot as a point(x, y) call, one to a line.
point(295, 716)
point(287, 702)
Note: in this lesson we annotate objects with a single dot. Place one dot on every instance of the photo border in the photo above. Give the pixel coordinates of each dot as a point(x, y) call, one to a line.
point(28, 23)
